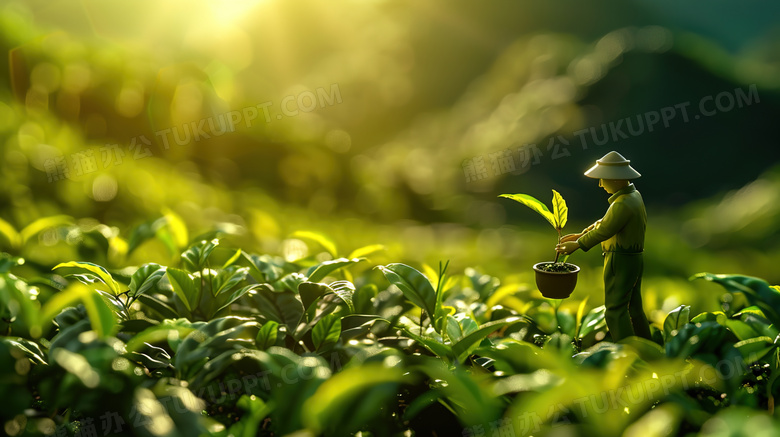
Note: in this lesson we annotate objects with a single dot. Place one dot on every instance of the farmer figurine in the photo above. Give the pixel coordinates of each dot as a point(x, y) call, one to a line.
point(621, 233)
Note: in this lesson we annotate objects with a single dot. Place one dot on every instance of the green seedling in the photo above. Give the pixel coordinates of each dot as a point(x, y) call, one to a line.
point(557, 218)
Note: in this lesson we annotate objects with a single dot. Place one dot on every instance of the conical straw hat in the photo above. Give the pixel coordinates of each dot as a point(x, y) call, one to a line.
point(612, 166)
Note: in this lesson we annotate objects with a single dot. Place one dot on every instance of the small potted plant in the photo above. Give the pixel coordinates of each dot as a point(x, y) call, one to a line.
point(557, 279)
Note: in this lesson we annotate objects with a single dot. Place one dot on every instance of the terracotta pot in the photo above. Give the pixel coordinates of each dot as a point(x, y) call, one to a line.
point(556, 285)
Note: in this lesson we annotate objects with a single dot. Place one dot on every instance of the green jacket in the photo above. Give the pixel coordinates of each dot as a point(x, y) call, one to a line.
point(623, 227)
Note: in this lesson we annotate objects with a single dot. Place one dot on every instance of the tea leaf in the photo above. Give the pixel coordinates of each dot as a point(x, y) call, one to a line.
point(414, 285)
point(535, 205)
point(326, 332)
point(560, 210)
point(323, 241)
point(97, 270)
point(184, 286)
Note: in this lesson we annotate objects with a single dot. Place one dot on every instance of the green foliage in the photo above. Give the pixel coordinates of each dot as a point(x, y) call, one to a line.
point(326, 333)
point(676, 320)
point(250, 328)
point(319, 272)
point(557, 218)
point(196, 257)
point(15, 240)
point(414, 285)
point(254, 344)
point(757, 291)
point(323, 241)
point(94, 271)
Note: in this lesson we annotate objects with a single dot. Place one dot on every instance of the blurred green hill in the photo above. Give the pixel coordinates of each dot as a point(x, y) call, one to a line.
point(408, 95)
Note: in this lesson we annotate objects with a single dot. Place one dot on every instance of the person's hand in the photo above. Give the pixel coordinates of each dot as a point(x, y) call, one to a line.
point(567, 248)
point(570, 237)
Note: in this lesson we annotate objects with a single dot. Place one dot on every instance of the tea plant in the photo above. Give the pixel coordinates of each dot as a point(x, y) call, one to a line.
point(557, 218)
point(227, 342)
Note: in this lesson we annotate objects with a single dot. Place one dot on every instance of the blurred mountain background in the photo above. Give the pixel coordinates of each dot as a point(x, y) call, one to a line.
point(378, 115)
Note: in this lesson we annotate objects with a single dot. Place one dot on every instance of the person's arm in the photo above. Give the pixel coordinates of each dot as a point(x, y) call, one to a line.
point(591, 227)
point(575, 237)
point(614, 220)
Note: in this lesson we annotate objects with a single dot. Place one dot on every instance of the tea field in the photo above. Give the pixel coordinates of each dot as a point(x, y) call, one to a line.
point(281, 217)
point(223, 341)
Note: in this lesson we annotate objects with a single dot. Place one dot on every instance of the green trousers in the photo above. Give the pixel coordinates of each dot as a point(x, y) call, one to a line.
point(622, 295)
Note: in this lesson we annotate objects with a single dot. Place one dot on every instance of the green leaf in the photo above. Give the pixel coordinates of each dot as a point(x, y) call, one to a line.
point(150, 414)
point(163, 234)
point(9, 234)
point(29, 348)
point(465, 392)
point(15, 298)
point(7, 262)
point(534, 204)
point(560, 210)
point(326, 333)
point(170, 330)
point(228, 278)
point(676, 319)
point(256, 411)
point(290, 282)
point(415, 286)
point(754, 349)
point(76, 365)
point(760, 324)
point(454, 331)
point(100, 316)
point(704, 337)
point(462, 349)
point(319, 272)
point(176, 227)
point(717, 316)
point(458, 328)
point(42, 224)
point(263, 268)
point(323, 241)
point(566, 323)
point(267, 335)
point(363, 298)
point(97, 270)
point(224, 334)
point(436, 347)
point(741, 330)
point(310, 292)
point(145, 278)
point(440, 312)
point(139, 235)
point(646, 349)
point(750, 324)
point(580, 313)
point(592, 321)
point(283, 307)
point(756, 290)
point(354, 325)
point(333, 405)
point(232, 259)
point(184, 286)
point(345, 290)
point(366, 250)
point(236, 295)
point(163, 308)
point(195, 257)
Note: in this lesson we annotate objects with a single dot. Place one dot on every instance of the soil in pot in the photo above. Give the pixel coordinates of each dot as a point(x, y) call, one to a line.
point(557, 267)
point(556, 281)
